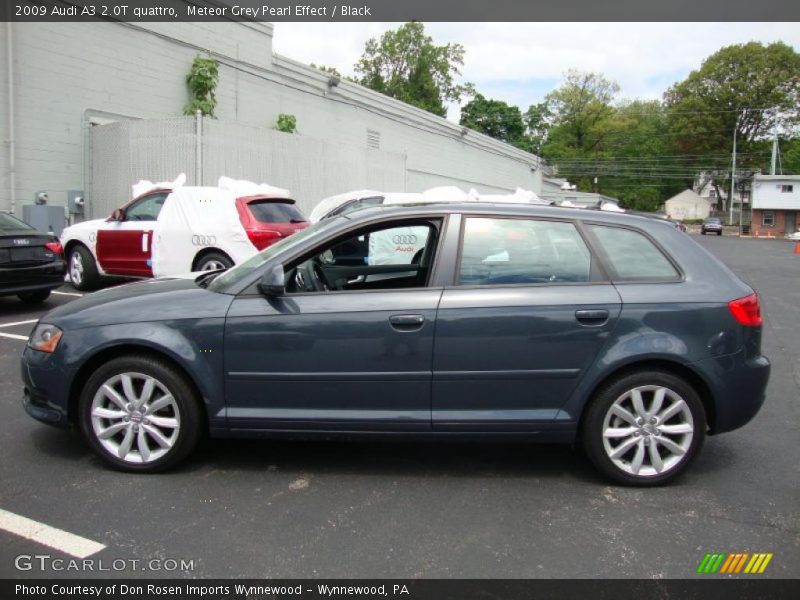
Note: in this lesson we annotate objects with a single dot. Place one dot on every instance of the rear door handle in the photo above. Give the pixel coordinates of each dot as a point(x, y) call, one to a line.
point(595, 317)
point(406, 322)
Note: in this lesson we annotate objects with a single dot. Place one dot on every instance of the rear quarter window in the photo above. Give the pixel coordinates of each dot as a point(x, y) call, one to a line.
point(633, 256)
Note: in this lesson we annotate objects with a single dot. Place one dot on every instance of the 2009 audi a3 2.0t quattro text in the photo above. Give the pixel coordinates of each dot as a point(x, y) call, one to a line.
point(477, 321)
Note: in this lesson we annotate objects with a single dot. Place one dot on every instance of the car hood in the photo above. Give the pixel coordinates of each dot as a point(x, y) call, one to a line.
point(81, 229)
point(165, 299)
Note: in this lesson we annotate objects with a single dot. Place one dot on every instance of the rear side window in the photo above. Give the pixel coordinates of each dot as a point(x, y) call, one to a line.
point(633, 256)
point(499, 251)
point(269, 211)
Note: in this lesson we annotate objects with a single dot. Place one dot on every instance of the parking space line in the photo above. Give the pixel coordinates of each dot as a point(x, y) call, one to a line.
point(18, 323)
point(14, 336)
point(60, 540)
point(68, 294)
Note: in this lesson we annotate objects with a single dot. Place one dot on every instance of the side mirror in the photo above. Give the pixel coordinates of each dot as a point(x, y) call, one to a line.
point(273, 282)
point(117, 215)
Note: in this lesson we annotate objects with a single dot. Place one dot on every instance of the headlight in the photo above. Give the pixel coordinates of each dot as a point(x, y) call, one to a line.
point(45, 338)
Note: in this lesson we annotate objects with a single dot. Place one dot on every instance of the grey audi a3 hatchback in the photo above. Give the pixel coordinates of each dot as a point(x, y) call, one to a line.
point(459, 321)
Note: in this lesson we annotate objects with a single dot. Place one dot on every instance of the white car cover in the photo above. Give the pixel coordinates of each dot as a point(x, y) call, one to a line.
point(143, 185)
point(193, 218)
point(241, 188)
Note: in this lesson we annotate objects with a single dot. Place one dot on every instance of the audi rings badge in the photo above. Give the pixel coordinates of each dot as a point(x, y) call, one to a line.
point(204, 240)
point(405, 239)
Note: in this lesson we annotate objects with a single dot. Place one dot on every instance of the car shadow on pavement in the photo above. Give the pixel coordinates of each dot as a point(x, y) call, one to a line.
point(395, 458)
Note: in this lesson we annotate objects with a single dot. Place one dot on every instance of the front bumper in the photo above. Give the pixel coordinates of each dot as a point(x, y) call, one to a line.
point(45, 394)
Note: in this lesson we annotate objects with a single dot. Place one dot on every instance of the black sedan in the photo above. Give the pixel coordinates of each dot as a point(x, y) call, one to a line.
point(31, 263)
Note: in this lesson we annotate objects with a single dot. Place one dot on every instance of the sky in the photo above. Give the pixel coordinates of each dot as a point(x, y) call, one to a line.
point(521, 62)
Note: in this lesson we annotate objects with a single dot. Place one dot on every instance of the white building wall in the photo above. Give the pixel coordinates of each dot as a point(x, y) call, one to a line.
point(69, 74)
point(682, 209)
point(767, 192)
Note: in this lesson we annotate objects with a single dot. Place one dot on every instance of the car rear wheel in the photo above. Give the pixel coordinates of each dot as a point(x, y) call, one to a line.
point(34, 297)
point(213, 261)
point(719, 233)
point(139, 414)
point(645, 428)
point(82, 268)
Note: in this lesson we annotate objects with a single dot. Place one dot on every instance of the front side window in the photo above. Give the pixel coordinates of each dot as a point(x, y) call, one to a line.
point(633, 256)
point(147, 208)
point(499, 251)
point(787, 189)
point(392, 256)
point(768, 218)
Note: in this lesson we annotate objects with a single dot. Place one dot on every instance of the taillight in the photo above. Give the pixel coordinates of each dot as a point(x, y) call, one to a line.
point(747, 310)
point(262, 238)
point(55, 248)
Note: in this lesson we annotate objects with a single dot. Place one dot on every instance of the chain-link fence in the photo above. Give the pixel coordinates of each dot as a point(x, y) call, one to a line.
point(124, 152)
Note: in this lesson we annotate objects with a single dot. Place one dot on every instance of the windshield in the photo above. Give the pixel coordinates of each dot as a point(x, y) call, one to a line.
point(242, 270)
point(713, 220)
point(9, 223)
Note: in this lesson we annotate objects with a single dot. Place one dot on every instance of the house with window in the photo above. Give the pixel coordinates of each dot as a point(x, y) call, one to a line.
point(776, 203)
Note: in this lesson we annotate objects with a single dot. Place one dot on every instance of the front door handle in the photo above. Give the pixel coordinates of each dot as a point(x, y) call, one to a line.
point(406, 322)
point(592, 317)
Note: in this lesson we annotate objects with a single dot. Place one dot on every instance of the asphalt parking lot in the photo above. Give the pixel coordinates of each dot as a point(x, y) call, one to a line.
point(335, 509)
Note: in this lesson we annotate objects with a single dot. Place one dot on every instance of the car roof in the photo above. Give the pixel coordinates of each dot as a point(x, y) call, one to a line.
point(499, 208)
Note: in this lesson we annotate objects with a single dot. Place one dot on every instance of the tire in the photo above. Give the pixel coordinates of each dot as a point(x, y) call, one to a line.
point(82, 268)
point(719, 233)
point(607, 430)
point(212, 262)
point(702, 232)
point(136, 442)
point(34, 297)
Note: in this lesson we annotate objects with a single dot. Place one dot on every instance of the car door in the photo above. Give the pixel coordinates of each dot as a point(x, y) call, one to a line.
point(124, 247)
point(338, 350)
point(529, 312)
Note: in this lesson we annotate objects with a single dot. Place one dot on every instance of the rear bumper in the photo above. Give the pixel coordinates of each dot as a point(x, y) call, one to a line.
point(31, 279)
point(739, 389)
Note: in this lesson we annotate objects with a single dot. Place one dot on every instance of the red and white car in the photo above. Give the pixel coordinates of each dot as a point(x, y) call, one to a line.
point(165, 231)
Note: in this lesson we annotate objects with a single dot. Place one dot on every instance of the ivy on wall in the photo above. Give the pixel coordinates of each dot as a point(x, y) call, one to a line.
point(202, 80)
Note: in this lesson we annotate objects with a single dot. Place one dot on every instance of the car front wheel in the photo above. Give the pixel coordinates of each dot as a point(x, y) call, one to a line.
point(82, 268)
point(139, 414)
point(645, 428)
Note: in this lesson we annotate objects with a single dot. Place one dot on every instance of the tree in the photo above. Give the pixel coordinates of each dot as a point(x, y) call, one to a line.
point(325, 69)
point(579, 109)
point(407, 65)
point(538, 120)
point(495, 118)
point(735, 89)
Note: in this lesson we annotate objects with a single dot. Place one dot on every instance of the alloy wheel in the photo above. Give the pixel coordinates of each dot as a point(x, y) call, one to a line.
point(76, 268)
point(648, 431)
point(135, 418)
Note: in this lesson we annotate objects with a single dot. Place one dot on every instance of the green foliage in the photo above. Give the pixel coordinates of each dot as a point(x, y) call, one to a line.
point(330, 70)
point(790, 157)
point(407, 65)
point(202, 79)
point(286, 123)
point(494, 118)
point(729, 92)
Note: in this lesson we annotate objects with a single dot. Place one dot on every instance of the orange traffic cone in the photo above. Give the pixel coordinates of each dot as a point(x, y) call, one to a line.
point(797, 247)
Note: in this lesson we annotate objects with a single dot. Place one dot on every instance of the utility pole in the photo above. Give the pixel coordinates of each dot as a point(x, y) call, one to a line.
point(774, 141)
point(733, 174)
